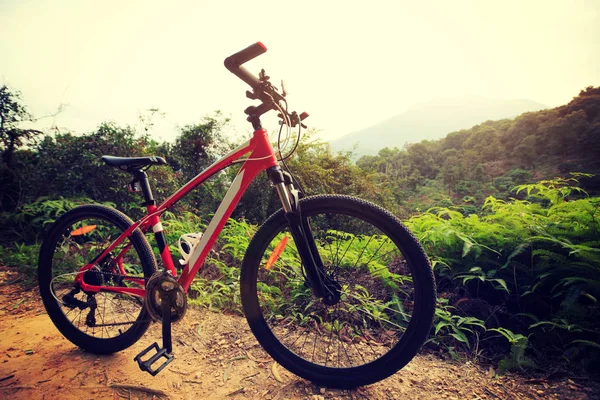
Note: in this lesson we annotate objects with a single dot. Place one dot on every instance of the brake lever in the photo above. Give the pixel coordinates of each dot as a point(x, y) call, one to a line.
point(296, 119)
point(262, 76)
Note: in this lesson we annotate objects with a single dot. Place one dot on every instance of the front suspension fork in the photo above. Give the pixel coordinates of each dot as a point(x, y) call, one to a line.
point(301, 231)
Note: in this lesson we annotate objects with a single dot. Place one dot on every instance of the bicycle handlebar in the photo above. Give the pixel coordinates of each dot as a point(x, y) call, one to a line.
point(234, 63)
point(262, 89)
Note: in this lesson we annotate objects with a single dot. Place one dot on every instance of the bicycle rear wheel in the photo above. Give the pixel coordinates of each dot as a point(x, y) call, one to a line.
point(381, 277)
point(103, 322)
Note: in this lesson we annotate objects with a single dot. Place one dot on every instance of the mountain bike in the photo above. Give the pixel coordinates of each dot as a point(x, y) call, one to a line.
point(335, 288)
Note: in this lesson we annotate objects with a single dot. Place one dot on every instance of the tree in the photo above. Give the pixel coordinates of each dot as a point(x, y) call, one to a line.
point(195, 148)
point(588, 101)
point(199, 145)
point(526, 151)
point(564, 132)
point(12, 137)
point(451, 169)
point(524, 125)
point(12, 114)
point(70, 165)
point(421, 158)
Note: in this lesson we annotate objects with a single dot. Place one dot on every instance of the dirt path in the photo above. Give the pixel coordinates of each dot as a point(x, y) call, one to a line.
point(216, 358)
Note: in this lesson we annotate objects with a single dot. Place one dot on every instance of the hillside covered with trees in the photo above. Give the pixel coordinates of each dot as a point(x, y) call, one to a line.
point(494, 156)
point(513, 234)
point(432, 120)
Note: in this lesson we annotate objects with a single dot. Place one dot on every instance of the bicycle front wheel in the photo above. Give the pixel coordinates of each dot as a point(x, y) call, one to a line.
point(381, 278)
point(100, 322)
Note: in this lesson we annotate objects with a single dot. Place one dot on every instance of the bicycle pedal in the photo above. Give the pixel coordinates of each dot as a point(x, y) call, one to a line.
point(147, 364)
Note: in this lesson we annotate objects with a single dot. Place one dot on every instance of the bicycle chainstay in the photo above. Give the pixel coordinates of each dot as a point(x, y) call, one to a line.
point(70, 301)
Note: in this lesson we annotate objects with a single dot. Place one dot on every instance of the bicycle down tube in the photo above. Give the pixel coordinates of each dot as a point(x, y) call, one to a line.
point(261, 157)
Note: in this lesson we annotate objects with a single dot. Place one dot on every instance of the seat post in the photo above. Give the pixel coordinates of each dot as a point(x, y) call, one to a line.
point(154, 221)
point(142, 178)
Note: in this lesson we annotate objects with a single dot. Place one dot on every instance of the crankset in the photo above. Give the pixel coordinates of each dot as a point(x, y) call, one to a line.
point(160, 287)
point(165, 301)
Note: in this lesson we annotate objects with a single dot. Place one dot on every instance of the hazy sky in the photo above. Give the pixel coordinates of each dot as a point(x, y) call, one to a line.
point(349, 64)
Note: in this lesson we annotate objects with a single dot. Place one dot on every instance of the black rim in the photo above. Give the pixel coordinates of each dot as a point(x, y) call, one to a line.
point(376, 299)
point(104, 315)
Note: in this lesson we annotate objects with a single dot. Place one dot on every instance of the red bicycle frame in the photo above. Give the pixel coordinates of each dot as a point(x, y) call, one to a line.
point(262, 156)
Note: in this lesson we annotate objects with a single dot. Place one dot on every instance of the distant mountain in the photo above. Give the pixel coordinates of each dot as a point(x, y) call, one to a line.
point(433, 120)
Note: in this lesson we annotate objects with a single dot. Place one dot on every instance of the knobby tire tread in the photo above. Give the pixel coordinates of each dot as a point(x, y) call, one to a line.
point(393, 360)
point(144, 251)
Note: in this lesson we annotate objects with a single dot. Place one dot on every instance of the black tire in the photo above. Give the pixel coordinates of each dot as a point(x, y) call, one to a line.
point(377, 326)
point(120, 320)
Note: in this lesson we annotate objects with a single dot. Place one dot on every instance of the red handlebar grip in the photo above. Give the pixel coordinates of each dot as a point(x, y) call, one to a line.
point(233, 62)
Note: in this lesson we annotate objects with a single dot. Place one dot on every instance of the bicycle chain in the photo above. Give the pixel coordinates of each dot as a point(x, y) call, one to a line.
point(113, 274)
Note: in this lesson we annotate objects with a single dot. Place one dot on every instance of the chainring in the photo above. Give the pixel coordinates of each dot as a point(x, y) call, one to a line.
point(160, 285)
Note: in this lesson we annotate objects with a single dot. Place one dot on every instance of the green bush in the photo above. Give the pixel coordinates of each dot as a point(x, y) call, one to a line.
point(538, 256)
point(22, 257)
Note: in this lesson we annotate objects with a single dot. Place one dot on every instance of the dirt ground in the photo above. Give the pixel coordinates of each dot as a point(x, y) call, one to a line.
point(218, 358)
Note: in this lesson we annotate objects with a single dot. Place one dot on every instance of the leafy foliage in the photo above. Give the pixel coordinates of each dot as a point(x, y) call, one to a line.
point(516, 359)
point(491, 158)
point(517, 263)
point(538, 256)
point(30, 221)
point(12, 114)
point(22, 257)
point(217, 287)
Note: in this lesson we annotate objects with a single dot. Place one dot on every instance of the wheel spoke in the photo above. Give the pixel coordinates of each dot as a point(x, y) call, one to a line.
point(404, 315)
point(372, 287)
point(362, 252)
point(77, 239)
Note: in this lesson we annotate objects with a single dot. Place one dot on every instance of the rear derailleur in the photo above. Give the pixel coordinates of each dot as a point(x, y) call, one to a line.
point(72, 302)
